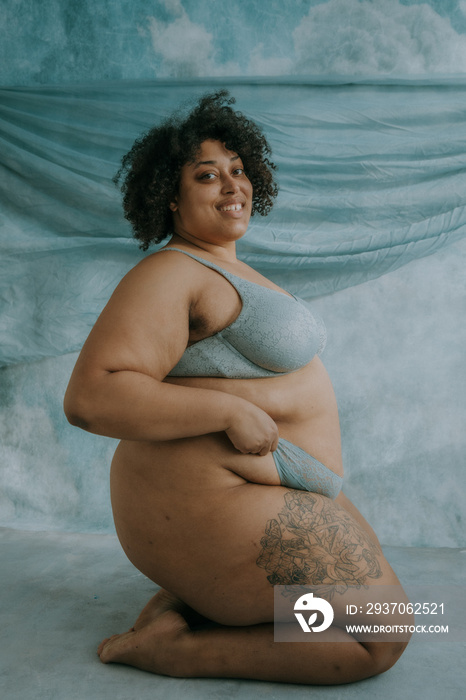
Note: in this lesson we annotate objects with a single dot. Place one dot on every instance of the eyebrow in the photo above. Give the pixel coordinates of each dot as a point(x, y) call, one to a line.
point(213, 162)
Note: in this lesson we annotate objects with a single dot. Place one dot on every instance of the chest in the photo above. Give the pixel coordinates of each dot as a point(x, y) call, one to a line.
point(216, 307)
point(244, 326)
point(246, 323)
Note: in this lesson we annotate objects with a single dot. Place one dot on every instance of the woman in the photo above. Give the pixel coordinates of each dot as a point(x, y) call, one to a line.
point(226, 481)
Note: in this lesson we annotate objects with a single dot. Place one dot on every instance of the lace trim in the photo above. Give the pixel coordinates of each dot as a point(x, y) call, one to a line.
point(299, 470)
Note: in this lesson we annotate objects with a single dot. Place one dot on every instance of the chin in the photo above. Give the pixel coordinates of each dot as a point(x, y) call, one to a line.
point(236, 235)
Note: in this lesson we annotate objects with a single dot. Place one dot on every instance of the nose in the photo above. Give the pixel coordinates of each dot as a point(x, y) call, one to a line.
point(229, 184)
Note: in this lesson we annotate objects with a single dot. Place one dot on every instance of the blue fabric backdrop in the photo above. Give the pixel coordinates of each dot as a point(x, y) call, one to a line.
point(371, 177)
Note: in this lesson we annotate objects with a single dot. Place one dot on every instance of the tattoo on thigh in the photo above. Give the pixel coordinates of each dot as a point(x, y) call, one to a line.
point(315, 542)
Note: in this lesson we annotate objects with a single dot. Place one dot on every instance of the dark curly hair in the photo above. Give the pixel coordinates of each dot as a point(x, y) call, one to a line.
point(150, 172)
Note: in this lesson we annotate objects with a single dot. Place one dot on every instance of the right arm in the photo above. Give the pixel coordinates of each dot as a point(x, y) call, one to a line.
point(117, 387)
point(287, 398)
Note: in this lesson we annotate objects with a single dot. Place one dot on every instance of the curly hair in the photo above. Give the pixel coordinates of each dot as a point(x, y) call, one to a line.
point(150, 172)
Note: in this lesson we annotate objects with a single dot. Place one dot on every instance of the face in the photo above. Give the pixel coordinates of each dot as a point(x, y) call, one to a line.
point(214, 201)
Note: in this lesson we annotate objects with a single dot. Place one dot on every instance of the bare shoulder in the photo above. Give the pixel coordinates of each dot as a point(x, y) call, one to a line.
point(164, 270)
point(145, 324)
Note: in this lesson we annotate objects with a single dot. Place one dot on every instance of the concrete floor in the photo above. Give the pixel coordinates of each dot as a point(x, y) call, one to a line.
point(62, 593)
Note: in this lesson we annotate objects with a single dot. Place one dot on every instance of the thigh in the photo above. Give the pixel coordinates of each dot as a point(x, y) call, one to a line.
point(291, 538)
point(345, 502)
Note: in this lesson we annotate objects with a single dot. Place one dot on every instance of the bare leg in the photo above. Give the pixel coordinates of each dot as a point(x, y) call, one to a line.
point(167, 646)
point(350, 508)
point(157, 606)
point(163, 643)
point(161, 602)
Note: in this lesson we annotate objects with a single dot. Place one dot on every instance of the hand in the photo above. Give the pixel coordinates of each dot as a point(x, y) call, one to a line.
point(253, 431)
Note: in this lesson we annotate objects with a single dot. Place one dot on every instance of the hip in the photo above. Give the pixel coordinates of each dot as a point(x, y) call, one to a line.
point(223, 553)
point(192, 505)
point(198, 469)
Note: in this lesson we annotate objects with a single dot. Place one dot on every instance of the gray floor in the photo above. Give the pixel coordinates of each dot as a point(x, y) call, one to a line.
point(62, 593)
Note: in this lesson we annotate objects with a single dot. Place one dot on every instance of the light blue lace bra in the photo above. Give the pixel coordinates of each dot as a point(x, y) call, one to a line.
point(273, 334)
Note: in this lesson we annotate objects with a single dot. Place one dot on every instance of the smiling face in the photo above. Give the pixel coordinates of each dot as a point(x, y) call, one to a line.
point(214, 201)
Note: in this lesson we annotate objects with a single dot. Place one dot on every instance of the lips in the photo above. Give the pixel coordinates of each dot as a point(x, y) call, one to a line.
point(231, 206)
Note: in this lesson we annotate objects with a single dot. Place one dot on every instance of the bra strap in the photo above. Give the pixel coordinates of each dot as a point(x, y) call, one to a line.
point(228, 275)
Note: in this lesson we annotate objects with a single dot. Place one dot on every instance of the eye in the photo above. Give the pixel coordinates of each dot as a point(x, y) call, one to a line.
point(238, 171)
point(207, 176)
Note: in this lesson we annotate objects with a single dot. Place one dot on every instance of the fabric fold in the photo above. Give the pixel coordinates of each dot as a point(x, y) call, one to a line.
point(372, 175)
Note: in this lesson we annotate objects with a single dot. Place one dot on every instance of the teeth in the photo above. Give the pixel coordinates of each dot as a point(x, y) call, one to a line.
point(232, 207)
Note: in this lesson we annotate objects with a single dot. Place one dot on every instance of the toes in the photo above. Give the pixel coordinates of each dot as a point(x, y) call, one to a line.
point(108, 639)
point(151, 648)
point(101, 645)
point(104, 643)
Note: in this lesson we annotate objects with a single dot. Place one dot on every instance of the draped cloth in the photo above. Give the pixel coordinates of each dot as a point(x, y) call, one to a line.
point(371, 175)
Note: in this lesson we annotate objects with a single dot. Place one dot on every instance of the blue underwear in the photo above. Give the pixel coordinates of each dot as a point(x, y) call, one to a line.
point(274, 333)
point(298, 470)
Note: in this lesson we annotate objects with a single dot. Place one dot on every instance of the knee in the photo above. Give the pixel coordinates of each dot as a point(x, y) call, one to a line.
point(386, 654)
point(398, 629)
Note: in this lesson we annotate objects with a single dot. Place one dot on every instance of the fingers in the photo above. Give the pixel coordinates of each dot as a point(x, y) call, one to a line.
point(254, 433)
point(269, 448)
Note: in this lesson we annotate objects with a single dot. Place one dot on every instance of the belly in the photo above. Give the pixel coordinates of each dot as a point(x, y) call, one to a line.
point(191, 523)
point(187, 517)
point(186, 522)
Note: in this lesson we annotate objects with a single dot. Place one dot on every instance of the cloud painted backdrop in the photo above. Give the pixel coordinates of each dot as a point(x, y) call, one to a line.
point(369, 169)
point(80, 40)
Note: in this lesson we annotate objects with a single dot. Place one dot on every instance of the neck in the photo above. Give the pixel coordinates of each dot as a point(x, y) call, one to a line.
point(225, 251)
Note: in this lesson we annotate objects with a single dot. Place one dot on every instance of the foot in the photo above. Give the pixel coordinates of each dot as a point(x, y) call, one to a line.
point(160, 603)
point(156, 646)
point(157, 605)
